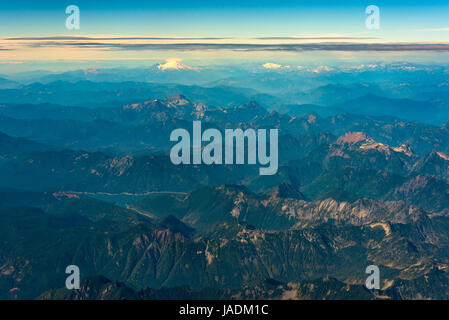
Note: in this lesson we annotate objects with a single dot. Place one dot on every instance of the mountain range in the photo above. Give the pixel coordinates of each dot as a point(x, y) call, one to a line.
point(86, 180)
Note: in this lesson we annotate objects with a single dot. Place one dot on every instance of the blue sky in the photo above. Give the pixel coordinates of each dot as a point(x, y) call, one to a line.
point(240, 21)
point(226, 18)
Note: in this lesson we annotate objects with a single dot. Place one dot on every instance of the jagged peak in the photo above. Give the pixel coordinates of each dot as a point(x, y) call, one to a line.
point(435, 155)
point(340, 195)
point(405, 148)
point(353, 138)
point(177, 99)
point(175, 225)
point(143, 105)
point(443, 155)
point(252, 105)
point(286, 190)
point(417, 182)
point(365, 142)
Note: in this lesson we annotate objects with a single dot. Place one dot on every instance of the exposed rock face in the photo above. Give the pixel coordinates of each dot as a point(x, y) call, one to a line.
point(443, 155)
point(353, 138)
point(285, 190)
point(290, 209)
point(271, 237)
point(364, 142)
point(335, 206)
point(405, 148)
point(425, 191)
point(435, 163)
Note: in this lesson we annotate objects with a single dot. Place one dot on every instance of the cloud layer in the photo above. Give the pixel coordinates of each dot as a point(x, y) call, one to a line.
point(286, 47)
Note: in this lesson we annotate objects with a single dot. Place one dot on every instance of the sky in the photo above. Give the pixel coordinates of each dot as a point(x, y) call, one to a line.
point(34, 33)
